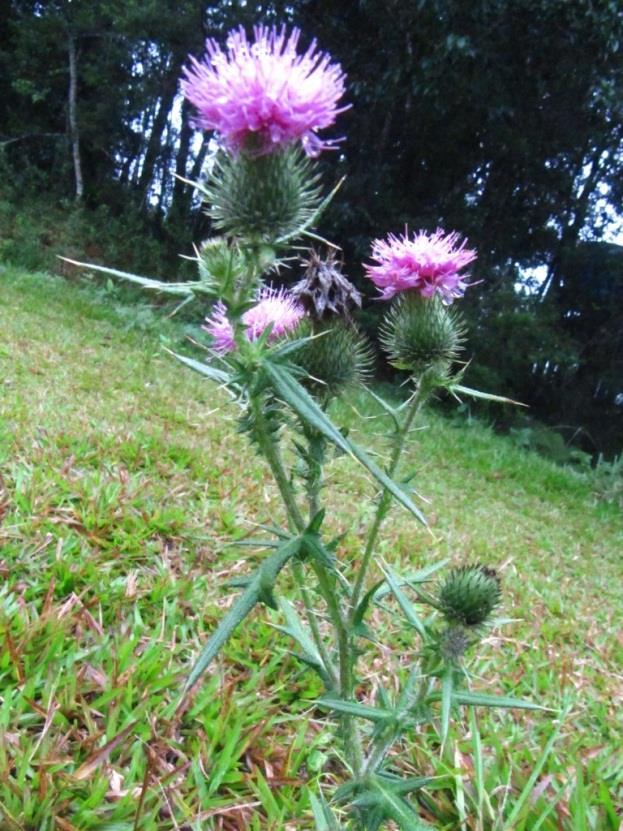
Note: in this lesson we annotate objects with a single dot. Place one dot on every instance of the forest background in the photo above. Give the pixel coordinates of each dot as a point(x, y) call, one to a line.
point(501, 119)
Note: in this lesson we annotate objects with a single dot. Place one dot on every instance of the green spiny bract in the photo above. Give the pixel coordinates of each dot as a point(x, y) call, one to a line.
point(270, 198)
point(337, 357)
point(469, 595)
point(222, 264)
point(422, 335)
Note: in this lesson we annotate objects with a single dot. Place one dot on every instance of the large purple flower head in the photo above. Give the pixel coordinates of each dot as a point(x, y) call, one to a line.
point(426, 263)
point(274, 306)
point(264, 95)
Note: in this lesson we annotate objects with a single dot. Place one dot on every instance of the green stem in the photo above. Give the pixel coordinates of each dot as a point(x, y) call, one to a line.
point(385, 499)
point(270, 450)
point(352, 741)
point(416, 689)
point(299, 576)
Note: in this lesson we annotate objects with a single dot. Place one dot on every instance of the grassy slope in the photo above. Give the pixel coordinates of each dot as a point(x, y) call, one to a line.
point(120, 488)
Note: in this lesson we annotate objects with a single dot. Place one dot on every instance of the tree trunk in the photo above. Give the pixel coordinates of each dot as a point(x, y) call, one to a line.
point(181, 162)
point(157, 130)
point(74, 135)
point(575, 220)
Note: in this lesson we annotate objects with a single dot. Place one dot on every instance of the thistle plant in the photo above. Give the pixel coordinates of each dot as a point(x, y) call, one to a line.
point(284, 356)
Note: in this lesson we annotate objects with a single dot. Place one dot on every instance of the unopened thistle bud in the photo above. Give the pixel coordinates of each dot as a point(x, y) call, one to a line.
point(469, 595)
point(422, 334)
point(220, 262)
point(338, 357)
point(265, 198)
point(324, 290)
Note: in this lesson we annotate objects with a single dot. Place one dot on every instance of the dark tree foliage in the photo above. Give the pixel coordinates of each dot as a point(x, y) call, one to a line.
point(499, 119)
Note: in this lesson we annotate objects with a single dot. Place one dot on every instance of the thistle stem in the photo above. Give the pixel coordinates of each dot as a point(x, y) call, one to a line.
point(352, 740)
point(384, 502)
point(299, 577)
point(269, 448)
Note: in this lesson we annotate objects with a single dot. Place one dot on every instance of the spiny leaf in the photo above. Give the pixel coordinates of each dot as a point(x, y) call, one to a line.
point(353, 708)
point(323, 815)
point(210, 372)
point(482, 700)
point(183, 289)
point(258, 589)
point(308, 410)
point(456, 389)
point(403, 601)
point(398, 809)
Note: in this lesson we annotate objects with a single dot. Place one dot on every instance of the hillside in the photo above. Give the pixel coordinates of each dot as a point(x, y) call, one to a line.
point(123, 484)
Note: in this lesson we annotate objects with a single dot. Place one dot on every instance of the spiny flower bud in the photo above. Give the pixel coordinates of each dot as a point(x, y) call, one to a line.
point(267, 198)
point(338, 357)
point(421, 334)
point(469, 595)
point(220, 262)
point(324, 290)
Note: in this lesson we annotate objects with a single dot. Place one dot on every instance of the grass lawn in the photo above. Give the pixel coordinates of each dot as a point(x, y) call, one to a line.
point(122, 486)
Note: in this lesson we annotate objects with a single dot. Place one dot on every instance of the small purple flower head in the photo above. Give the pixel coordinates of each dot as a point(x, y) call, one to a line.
point(426, 263)
point(274, 306)
point(263, 95)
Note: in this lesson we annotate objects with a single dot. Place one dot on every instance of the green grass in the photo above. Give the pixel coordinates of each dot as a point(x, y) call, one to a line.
point(122, 486)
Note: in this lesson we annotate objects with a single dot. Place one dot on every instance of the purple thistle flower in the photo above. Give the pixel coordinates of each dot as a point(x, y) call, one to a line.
point(260, 96)
point(274, 306)
point(426, 263)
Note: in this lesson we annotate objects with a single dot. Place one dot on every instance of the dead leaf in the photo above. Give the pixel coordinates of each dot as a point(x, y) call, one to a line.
point(88, 768)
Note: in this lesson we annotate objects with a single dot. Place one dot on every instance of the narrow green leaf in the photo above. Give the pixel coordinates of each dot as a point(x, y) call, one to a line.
point(308, 410)
point(184, 289)
point(353, 708)
point(424, 574)
point(297, 631)
point(482, 700)
point(447, 687)
point(362, 608)
point(210, 372)
point(455, 389)
point(405, 604)
point(401, 785)
point(398, 809)
point(536, 772)
point(323, 815)
point(478, 764)
point(260, 585)
point(387, 408)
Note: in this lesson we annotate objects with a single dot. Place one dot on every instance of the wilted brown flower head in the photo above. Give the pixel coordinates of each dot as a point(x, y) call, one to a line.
point(324, 291)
